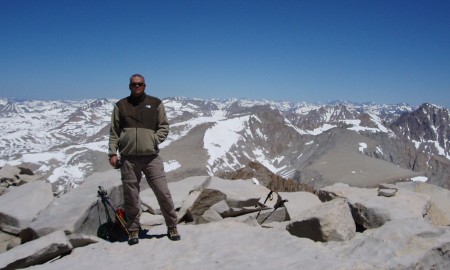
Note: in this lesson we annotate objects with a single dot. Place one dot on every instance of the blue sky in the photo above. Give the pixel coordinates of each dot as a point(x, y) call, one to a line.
point(313, 51)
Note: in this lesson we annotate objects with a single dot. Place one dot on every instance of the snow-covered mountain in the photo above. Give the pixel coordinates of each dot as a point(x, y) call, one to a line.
point(310, 143)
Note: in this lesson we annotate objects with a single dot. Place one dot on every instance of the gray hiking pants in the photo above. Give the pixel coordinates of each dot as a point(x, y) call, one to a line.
point(153, 169)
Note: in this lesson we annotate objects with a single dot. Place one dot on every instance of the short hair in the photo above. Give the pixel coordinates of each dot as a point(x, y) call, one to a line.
point(137, 75)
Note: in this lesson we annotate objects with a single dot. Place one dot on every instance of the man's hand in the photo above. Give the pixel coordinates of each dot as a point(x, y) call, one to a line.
point(114, 160)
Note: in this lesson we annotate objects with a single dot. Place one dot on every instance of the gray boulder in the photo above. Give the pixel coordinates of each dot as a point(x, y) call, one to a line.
point(371, 211)
point(8, 241)
point(298, 202)
point(209, 215)
point(185, 213)
point(15, 176)
point(36, 252)
point(439, 212)
point(279, 214)
point(408, 243)
point(179, 190)
point(387, 190)
point(148, 219)
point(231, 198)
point(80, 240)
point(330, 221)
point(239, 193)
point(78, 211)
point(21, 204)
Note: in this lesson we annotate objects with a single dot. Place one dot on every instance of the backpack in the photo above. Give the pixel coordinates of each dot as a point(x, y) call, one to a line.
point(113, 229)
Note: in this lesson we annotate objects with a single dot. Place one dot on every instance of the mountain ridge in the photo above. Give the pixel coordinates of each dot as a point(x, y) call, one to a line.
point(65, 140)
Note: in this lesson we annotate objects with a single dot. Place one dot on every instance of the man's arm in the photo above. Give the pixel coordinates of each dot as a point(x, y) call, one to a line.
point(114, 134)
point(163, 125)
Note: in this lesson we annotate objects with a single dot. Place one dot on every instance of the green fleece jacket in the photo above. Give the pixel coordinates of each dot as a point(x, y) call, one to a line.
point(138, 126)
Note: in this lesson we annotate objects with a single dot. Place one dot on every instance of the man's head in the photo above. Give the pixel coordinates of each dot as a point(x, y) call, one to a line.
point(137, 85)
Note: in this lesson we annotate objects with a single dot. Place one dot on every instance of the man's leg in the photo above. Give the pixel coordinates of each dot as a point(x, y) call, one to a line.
point(156, 178)
point(131, 176)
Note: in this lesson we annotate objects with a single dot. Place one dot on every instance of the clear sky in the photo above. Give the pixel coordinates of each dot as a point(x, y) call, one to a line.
point(355, 50)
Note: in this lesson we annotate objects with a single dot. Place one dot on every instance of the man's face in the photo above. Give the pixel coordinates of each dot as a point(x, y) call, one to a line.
point(137, 86)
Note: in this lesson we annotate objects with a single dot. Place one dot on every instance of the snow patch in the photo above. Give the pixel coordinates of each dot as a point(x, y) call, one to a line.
point(219, 138)
point(362, 147)
point(420, 179)
point(171, 165)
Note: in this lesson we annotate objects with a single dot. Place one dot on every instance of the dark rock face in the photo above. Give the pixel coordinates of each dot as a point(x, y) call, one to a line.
point(429, 128)
point(266, 178)
point(427, 123)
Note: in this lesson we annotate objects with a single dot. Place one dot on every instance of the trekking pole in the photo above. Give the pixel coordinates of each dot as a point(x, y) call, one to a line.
point(102, 193)
point(268, 196)
point(122, 222)
point(281, 203)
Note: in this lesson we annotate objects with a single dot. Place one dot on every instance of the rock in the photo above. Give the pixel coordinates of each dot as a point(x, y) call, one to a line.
point(439, 212)
point(239, 196)
point(371, 211)
point(239, 193)
point(206, 199)
point(271, 199)
point(330, 221)
point(272, 215)
point(25, 178)
point(148, 219)
point(25, 171)
point(222, 208)
point(387, 186)
point(36, 252)
point(185, 211)
point(209, 216)
point(9, 172)
point(8, 241)
point(298, 202)
point(402, 244)
point(387, 190)
point(80, 240)
point(16, 176)
point(21, 204)
point(179, 190)
point(78, 211)
point(13, 243)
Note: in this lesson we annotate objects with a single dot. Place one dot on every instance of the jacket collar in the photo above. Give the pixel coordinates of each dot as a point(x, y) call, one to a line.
point(136, 100)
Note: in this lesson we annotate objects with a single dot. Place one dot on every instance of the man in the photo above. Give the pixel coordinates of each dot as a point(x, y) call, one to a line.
point(138, 125)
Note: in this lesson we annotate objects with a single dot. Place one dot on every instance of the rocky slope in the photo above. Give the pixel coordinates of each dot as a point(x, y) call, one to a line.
point(231, 224)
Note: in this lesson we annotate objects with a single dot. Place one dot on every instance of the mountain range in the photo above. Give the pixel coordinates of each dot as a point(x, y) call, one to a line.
point(363, 145)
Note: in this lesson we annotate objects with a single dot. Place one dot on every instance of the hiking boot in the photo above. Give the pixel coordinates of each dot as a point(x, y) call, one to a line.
point(133, 238)
point(172, 233)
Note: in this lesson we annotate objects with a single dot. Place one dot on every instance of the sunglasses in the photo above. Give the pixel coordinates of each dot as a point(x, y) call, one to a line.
point(139, 84)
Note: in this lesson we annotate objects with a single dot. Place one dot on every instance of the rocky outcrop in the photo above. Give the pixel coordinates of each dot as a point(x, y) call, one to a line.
point(36, 252)
point(438, 213)
point(265, 229)
point(428, 128)
point(255, 170)
point(330, 221)
point(79, 211)
point(21, 204)
point(427, 123)
point(15, 176)
point(370, 210)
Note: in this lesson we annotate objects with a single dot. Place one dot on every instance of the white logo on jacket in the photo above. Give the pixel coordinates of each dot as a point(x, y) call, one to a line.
point(148, 106)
